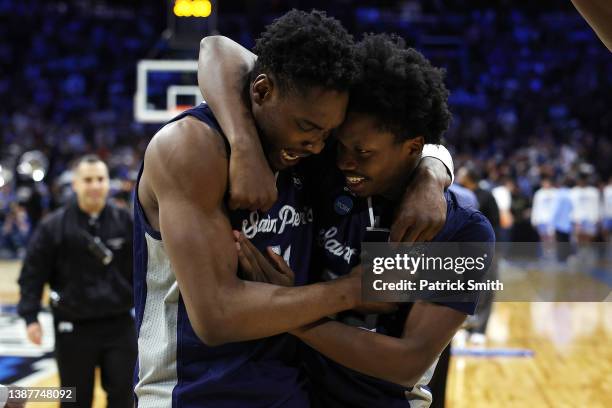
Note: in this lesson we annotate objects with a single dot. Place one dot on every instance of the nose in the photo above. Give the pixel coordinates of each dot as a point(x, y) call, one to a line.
point(95, 186)
point(316, 147)
point(346, 161)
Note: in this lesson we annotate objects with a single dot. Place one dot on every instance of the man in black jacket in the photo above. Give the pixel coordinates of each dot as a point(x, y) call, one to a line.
point(84, 251)
point(470, 178)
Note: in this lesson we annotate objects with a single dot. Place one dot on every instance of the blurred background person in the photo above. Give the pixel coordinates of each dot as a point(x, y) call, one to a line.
point(607, 210)
point(469, 178)
point(15, 231)
point(520, 207)
point(465, 196)
point(84, 251)
point(477, 324)
point(562, 218)
point(542, 212)
point(503, 197)
point(586, 217)
point(586, 212)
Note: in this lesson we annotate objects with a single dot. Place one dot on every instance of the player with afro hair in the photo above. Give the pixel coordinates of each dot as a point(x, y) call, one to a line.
point(400, 88)
point(397, 105)
point(307, 49)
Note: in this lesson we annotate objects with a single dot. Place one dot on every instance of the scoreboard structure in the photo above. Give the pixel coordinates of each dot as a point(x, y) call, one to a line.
point(189, 21)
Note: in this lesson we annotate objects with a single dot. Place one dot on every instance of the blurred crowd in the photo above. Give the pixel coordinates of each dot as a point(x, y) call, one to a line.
point(529, 90)
point(67, 85)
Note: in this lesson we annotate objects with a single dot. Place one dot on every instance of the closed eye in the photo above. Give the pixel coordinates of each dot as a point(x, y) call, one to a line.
point(307, 126)
point(305, 129)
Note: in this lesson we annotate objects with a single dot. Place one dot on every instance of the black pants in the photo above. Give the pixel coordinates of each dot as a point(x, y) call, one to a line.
point(563, 248)
point(479, 321)
point(108, 343)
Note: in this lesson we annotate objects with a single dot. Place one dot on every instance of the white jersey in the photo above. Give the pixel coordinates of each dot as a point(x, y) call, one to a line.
point(607, 202)
point(585, 201)
point(544, 203)
point(502, 197)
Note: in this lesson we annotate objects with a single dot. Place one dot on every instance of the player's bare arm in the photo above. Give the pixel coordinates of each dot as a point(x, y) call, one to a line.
point(252, 184)
point(181, 190)
point(422, 211)
point(427, 331)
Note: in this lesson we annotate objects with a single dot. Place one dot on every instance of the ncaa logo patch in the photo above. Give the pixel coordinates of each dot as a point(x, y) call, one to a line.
point(343, 205)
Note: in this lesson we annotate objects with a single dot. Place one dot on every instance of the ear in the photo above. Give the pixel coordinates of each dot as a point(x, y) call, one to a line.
point(414, 146)
point(261, 89)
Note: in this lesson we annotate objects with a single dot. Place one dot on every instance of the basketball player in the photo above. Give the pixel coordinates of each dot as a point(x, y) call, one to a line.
point(397, 106)
point(207, 338)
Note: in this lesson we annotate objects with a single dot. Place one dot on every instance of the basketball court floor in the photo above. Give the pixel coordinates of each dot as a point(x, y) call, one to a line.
point(551, 355)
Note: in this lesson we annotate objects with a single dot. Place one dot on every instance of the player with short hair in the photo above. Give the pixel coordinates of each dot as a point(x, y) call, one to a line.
point(83, 250)
point(398, 105)
point(206, 337)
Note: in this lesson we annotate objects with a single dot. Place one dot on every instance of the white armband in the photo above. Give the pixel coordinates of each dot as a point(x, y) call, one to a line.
point(441, 153)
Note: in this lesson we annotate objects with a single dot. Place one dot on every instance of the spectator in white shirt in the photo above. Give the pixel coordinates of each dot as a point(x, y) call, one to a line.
point(503, 198)
point(607, 210)
point(586, 213)
point(544, 202)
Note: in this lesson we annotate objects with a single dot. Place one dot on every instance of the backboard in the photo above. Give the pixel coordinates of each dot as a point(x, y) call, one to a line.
point(165, 88)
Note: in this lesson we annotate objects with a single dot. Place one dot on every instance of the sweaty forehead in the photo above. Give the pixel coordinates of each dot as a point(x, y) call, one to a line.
point(323, 107)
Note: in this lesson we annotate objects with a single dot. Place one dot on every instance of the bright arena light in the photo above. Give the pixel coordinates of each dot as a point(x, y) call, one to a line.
point(192, 8)
point(38, 175)
point(24, 168)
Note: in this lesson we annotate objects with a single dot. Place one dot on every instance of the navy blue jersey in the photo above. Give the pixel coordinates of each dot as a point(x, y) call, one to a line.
point(175, 368)
point(287, 227)
point(344, 221)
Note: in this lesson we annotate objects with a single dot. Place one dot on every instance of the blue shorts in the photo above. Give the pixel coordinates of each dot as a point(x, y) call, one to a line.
point(588, 227)
point(545, 229)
